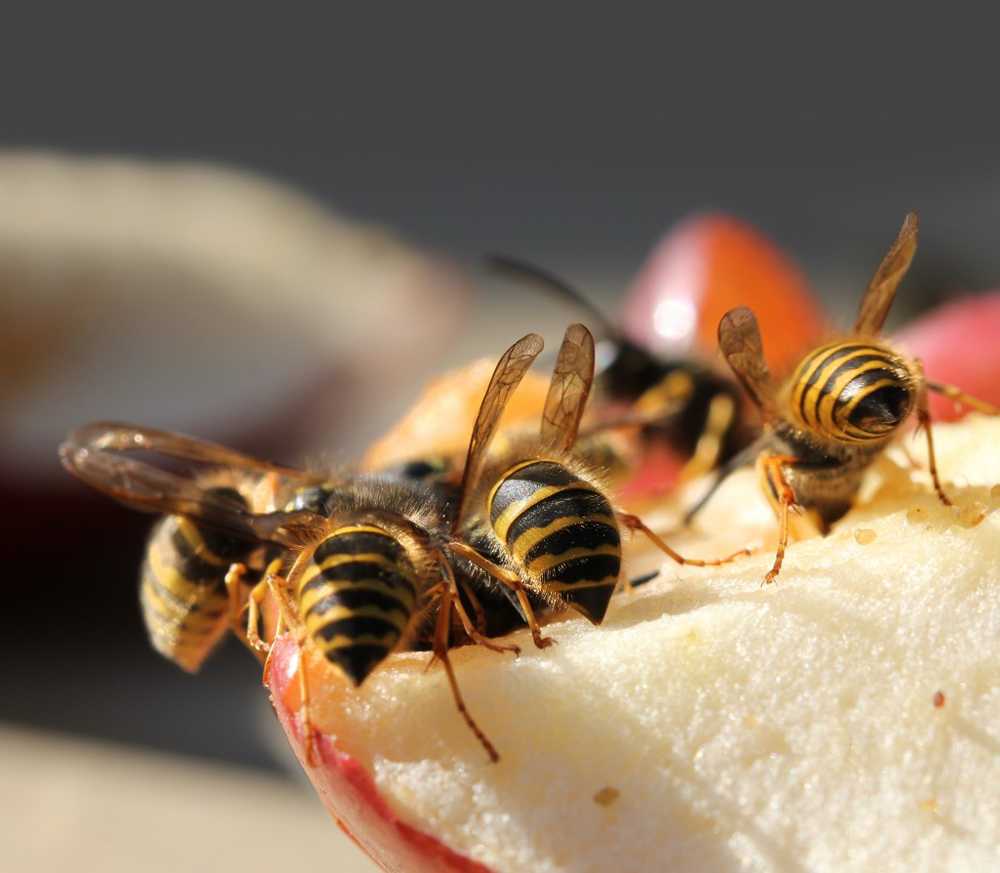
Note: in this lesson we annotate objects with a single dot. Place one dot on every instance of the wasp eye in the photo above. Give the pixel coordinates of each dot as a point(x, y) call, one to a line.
point(312, 498)
point(419, 469)
point(882, 410)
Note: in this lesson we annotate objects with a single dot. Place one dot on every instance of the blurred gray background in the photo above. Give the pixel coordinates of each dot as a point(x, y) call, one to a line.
point(573, 138)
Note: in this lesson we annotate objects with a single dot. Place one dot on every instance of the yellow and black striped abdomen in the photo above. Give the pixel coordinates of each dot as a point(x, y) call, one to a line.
point(561, 531)
point(357, 595)
point(852, 392)
point(182, 588)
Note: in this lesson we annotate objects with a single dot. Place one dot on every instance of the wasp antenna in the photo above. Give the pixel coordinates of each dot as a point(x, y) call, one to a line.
point(523, 271)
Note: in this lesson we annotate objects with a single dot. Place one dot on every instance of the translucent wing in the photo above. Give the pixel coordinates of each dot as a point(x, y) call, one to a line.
point(569, 388)
point(118, 437)
point(98, 455)
point(882, 289)
point(509, 372)
point(740, 342)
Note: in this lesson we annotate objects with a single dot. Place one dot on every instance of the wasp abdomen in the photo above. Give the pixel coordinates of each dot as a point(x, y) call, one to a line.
point(357, 596)
point(182, 589)
point(561, 531)
point(852, 392)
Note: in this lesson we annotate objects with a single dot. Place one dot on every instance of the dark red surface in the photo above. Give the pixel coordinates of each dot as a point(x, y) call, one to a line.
point(349, 793)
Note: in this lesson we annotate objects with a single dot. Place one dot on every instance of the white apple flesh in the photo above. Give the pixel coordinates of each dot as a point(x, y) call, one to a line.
point(846, 717)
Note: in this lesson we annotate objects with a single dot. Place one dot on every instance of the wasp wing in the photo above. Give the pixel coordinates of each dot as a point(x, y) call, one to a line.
point(509, 372)
point(740, 342)
point(569, 389)
point(119, 437)
point(881, 290)
point(97, 454)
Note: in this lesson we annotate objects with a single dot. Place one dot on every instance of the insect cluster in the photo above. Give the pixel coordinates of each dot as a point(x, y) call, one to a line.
point(526, 523)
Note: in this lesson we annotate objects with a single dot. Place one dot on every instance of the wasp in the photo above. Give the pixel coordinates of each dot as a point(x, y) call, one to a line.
point(375, 576)
point(837, 412)
point(540, 517)
point(192, 584)
point(202, 556)
point(656, 399)
point(680, 402)
point(367, 574)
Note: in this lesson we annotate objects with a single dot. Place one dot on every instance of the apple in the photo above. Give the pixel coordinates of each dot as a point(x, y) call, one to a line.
point(846, 717)
point(702, 268)
point(956, 343)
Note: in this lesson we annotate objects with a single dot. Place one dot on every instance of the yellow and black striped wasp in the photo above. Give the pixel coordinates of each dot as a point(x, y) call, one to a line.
point(363, 566)
point(209, 549)
point(641, 401)
point(838, 411)
point(367, 567)
point(539, 515)
point(681, 402)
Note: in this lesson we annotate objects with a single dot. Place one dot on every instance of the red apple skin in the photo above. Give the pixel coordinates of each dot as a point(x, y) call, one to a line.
point(702, 268)
point(348, 790)
point(959, 344)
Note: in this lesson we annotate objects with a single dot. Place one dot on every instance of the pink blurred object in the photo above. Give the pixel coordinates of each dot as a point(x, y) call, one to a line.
point(657, 474)
point(706, 266)
point(959, 343)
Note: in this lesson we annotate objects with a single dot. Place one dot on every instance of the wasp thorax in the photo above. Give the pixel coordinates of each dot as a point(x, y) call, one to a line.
point(313, 498)
point(851, 392)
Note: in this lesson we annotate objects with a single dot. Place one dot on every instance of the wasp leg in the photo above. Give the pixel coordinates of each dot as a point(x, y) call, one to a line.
point(279, 629)
point(474, 634)
point(440, 648)
point(253, 637)
point(924, 422)
point(430, 594)
point(743, 458)
point(629, 585)
point(234, 581)
point(477, 607)
point(721, 414)
point(308, 729)
point(512, 581)
point(656, 404)
point(959, 396)
point(772, 467)
point(277, 585)
point(634, 523)
point(286, 614)
point(667, 397)
point(257, 594)
point(911, 459)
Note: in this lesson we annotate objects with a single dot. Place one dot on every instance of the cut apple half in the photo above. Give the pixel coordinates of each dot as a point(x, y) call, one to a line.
point(846, 717)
